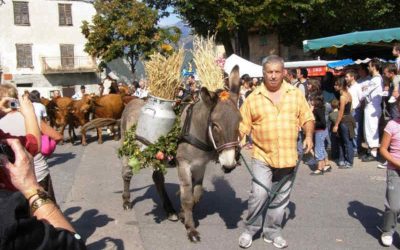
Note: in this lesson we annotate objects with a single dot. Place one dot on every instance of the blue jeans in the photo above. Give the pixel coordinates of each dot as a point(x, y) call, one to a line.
point(358, 131)
point(319, 149)
point(346, 151)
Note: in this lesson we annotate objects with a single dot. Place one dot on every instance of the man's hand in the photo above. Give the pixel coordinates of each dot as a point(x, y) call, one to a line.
point(308, 144)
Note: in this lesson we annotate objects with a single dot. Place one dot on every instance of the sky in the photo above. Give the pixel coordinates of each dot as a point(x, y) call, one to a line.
point(172, 19)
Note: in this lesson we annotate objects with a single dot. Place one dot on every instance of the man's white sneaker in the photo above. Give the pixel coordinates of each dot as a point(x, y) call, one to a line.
point(278, 242)
point(387, 239)
point(245, 240)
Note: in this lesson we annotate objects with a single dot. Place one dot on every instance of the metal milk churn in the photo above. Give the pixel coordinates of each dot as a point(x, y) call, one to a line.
point(156, 119)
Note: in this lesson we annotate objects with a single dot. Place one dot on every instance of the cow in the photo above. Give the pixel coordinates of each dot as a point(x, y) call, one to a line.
point(58, 111)
point(107, 106)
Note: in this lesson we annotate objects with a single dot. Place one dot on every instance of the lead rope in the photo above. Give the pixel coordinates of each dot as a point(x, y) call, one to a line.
point(274, 191)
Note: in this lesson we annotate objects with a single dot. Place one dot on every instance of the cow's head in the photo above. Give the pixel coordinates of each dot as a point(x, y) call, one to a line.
point(79, 110)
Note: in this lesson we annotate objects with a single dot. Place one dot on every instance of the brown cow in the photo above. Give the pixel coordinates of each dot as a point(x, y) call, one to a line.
point(108, 106)
point(58, 111)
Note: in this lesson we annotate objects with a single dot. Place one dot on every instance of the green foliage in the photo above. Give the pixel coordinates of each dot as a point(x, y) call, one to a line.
point(124, 28)
point(292, 20)
point(140, 159)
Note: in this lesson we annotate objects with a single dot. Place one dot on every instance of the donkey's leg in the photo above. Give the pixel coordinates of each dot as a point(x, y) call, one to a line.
point(187, 201)
point(197, 178)
point(159, 181)
point(126, 176)
point(99, 135)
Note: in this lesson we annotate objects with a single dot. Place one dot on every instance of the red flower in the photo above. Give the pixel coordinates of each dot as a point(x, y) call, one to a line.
point(160, 156)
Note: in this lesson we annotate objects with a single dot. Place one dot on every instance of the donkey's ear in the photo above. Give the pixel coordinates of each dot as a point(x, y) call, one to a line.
point(209, 98)
point(234, 80)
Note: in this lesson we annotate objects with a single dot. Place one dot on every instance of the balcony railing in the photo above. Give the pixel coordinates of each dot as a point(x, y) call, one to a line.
point(76, 64)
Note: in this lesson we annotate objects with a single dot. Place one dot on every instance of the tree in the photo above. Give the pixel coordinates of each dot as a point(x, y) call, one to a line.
point(333, 17)
point(125, 28)
point(232, 20)
point(292, 20)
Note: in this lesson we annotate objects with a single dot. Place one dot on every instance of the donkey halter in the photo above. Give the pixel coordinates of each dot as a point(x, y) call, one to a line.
point(192, 140)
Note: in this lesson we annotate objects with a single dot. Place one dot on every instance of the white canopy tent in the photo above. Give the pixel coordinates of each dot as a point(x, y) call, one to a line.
point(255, 70)
point(245, 67)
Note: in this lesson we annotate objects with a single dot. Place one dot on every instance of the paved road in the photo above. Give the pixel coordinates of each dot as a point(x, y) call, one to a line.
point(340, 210)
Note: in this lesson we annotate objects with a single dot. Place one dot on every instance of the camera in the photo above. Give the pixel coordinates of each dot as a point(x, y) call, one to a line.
point(7, 150)
point(14, 104)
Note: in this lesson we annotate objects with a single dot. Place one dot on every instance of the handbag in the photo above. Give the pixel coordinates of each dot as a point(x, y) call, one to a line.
point(48, 145)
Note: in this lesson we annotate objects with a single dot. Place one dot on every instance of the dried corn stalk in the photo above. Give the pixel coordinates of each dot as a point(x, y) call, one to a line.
point(164, 74)
point(205, 57)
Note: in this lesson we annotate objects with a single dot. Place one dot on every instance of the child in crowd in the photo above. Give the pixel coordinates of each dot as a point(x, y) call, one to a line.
point(320, 135)
point(391, 139)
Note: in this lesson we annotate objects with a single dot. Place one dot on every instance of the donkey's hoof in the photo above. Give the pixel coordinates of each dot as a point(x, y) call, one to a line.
point(173, 217)
point(194, 236)
point(100, 142)
point(127, 205)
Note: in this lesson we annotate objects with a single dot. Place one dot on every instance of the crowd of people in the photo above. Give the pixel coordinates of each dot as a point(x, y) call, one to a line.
point(351, 113)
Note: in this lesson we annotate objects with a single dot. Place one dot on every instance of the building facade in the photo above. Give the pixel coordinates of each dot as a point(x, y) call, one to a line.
point(41, 45)
point(263, 45)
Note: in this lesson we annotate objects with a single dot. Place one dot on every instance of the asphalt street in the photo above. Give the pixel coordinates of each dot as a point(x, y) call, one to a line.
point(339, 210)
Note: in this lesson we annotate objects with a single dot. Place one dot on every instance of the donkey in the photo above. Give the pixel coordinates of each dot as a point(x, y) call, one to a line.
point(210, 131)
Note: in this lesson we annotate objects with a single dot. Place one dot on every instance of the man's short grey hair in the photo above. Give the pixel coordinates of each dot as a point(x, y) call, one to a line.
point(273, 59)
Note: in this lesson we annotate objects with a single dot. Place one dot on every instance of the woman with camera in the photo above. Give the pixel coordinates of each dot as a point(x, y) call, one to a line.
point(29, 218)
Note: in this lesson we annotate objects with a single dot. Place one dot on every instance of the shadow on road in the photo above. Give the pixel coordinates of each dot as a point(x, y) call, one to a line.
point(107, 243)
point(89, 221)
point(58, 159)
point(222, 201)
point(151, 193)
point(290, 213)
point(369, 217)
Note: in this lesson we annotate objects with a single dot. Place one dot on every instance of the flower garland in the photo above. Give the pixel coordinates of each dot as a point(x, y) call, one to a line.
point(158, 155)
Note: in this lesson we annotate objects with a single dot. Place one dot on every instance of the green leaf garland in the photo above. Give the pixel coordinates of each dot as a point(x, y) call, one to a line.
point(138, 159)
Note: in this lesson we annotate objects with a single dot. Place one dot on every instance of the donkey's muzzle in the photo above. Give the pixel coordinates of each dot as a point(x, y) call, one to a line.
point(227, 170)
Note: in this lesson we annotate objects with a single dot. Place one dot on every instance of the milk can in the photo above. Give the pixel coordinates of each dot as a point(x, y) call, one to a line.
point(156, 119)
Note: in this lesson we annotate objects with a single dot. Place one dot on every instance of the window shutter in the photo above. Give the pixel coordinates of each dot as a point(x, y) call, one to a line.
point(21, 13)
point(24, 55)
point(61, 14)
point(67, 55)
point(25, 13)
point(65, 14)
point(68, 14)
point(28, 55)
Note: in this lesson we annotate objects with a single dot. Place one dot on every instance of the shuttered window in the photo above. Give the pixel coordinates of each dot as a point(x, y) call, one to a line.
point(21, 13)
point(24, 55)
point(65, 14)
point(67, 55)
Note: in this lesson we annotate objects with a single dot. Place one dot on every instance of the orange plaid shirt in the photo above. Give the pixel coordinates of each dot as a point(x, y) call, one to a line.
point(274, 128)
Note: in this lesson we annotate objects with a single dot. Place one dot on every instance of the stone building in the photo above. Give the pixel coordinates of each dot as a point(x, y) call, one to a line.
point(42, 47)
point(263, 45)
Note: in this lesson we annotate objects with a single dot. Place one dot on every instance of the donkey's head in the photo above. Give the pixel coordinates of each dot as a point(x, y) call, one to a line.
point(224, 120)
